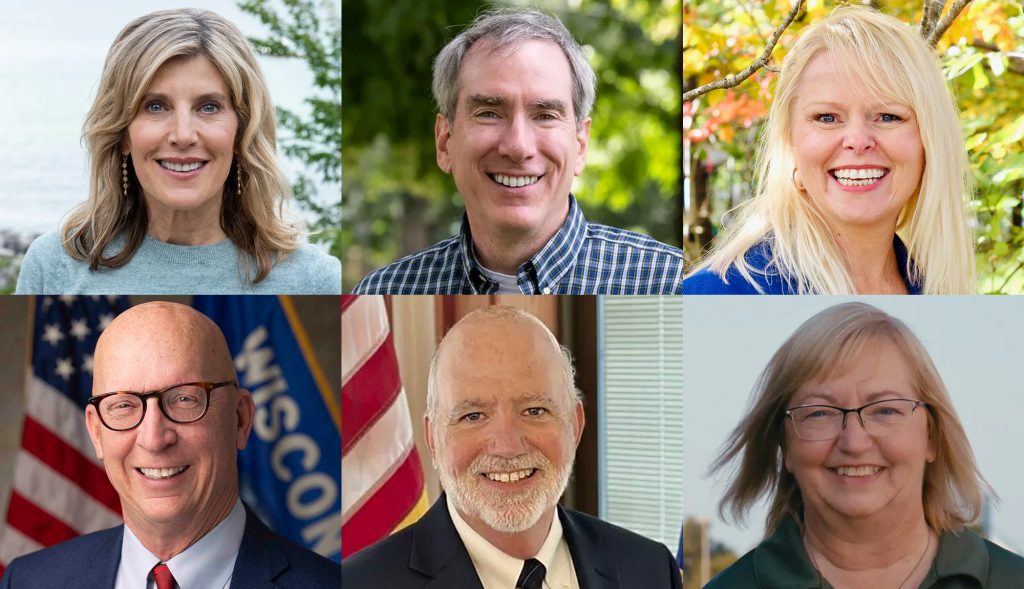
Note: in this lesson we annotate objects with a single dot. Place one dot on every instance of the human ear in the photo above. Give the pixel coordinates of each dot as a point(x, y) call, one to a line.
point(442, 133)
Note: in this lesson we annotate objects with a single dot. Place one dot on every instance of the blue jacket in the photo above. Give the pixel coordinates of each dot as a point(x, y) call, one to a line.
point(265, 561)
point(766, 275)
point(430, 555)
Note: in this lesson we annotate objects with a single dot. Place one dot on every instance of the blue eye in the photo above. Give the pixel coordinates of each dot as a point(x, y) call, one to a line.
point(210, 108)
point(472, 417)
point(154, 107)
point(890, 118)
point(826, 118)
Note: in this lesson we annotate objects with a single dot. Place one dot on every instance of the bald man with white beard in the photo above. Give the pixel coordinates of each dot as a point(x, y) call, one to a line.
point(503, 423)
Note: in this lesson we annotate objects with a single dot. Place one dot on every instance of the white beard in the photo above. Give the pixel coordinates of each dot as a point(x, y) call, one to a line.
point(509, 512)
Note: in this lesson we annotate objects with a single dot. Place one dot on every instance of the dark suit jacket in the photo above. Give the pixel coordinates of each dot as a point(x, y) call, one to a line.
point(430, 555)
point(265, 561)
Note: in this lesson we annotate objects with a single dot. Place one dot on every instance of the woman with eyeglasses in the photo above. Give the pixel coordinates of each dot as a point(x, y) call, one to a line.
point(871, 480)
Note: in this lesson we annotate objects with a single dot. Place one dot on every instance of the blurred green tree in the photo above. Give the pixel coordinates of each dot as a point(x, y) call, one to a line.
point(309, 30)
point(395, 199)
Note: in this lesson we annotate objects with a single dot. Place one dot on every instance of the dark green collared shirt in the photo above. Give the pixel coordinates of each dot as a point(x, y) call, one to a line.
point(964, 561)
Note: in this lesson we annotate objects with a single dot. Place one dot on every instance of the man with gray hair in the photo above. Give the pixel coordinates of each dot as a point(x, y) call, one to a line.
point(502, 424)
point(514, 93)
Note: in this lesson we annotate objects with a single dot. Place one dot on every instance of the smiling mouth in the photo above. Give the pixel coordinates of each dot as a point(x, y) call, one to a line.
point(510, 477)
point(515, 181)
point(176, 167)
point(858, 177)
point(162, 473)
point(856, 471)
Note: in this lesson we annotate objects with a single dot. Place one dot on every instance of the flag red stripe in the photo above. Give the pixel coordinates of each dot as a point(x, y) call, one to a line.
point(369, 393)
point(386, 508)
point(36, 523)
point(69, 462)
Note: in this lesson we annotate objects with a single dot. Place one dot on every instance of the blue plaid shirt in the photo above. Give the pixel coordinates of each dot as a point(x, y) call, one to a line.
point(582, 258)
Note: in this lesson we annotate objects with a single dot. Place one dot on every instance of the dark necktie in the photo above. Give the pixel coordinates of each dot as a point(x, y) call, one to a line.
point(532, 576)
point(162, 576)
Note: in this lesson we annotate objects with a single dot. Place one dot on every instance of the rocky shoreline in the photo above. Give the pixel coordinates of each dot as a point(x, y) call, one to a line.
point(13, 245)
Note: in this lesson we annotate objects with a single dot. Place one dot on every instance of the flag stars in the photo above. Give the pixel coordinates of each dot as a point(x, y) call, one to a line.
point(105, 320)
point(52, 334)
point(64, 368)
point(67, 299)
point(87, 363)
point(79, 329)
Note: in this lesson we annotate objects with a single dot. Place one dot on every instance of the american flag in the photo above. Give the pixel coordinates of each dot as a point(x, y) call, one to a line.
point(60, 489)
point(382, 480)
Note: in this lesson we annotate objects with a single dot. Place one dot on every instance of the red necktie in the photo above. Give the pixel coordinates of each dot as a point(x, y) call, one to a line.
point(162, 576)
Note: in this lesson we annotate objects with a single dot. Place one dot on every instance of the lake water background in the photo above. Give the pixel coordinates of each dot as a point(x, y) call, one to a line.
point(51, 58)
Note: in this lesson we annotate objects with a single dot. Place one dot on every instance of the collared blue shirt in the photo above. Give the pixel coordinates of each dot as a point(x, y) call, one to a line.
point(581, 258)
point(760, 258)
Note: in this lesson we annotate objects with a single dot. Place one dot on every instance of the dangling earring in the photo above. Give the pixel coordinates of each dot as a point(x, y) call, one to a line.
point(796, 181)
point(238, 178)
point(124, 175)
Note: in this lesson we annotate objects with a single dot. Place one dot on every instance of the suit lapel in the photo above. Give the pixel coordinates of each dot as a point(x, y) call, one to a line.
point(594, 568)
point(438, 552)
point(104, 561)
point(258, 563)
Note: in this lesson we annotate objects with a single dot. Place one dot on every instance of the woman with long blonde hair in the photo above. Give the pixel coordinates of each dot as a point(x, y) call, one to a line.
point(862, 177)
point(186, 194)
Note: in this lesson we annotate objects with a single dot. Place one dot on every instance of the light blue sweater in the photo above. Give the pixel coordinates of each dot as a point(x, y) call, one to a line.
point(162, 268)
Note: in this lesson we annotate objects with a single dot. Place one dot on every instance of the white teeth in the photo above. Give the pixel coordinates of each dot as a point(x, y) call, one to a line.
point(857, 471)
point(858, 177)
point(161, 473)
point(515, 181)
point(509, 477)
point(181, 167)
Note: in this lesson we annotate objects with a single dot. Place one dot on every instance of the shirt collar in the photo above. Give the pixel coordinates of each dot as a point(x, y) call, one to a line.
point(545, 268)
point(206, 563)
point(491, 562)
point(781, 561)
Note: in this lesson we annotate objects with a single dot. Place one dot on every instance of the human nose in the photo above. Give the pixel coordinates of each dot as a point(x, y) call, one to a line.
point(854, 435)
point(183, 132)
point(155, 432)
point(859, 137)
point(517, 140)
point(506, 438)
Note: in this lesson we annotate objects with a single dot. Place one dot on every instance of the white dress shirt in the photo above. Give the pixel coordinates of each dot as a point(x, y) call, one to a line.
point(207, 564)
point(498, 570)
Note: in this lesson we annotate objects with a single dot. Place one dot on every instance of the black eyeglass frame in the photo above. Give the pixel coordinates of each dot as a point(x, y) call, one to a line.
point(858, 410)
point(207, 386)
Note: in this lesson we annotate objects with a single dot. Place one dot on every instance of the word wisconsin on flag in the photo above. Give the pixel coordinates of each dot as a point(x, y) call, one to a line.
point(290, 471)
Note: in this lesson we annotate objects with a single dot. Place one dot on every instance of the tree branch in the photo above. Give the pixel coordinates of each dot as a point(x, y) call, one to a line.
point(931, 10)
point(737, 79)
point(945, 22)
point(1015, 61)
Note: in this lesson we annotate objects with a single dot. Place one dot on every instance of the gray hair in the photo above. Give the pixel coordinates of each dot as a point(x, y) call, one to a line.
point(568, 371)
point(508, 29)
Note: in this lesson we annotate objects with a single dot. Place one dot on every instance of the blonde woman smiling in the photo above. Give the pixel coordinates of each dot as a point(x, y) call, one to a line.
point(862, 176)
point(186, 195)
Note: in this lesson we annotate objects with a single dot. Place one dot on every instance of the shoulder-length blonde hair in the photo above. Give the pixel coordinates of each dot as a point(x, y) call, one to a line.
point(883, 57)
point(824, 345)
point(253, 220)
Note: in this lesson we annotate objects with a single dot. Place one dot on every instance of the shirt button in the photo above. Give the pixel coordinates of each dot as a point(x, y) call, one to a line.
point(547, 290)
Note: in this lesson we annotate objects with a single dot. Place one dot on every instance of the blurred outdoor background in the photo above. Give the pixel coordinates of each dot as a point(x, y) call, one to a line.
point(51, 58)
point(395, 199)
point(982, 56)
point(973, 341)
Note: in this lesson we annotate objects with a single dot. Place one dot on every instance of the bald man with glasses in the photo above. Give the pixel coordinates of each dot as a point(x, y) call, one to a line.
point(167, 420)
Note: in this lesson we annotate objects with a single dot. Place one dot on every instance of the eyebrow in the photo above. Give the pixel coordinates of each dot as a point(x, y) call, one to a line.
point(471, 405)
point(550, 104)
point(839, 106)
point(485, 100)
point(828, 399)
point(216, 96)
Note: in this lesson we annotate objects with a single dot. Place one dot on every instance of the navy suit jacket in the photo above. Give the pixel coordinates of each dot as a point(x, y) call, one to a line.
point(265, 561)
point(430, 555)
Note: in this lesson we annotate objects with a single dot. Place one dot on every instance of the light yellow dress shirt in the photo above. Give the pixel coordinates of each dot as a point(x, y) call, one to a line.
point(498, 570)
